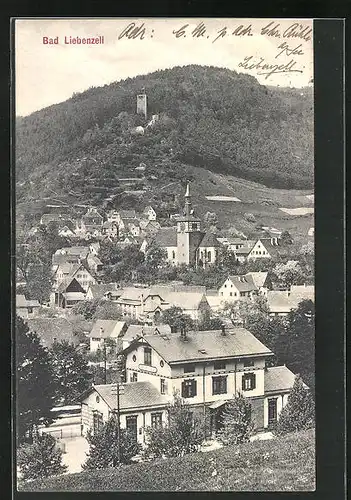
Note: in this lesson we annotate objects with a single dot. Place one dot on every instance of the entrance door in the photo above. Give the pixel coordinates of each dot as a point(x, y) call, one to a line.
point(272, 411)
point(132, 426)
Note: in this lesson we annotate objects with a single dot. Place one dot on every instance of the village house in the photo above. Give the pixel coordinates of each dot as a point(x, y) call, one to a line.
point(79, 251)
point(94, 263)
point(92, 218)
point(244, 286)
point(140, 406)
point(26, 308)
point(54, 218)
point(149, 213)
point(105, 329)
point(106, 291)
point(66, 232)
point(70, 284)
point(94, 248)
point(110, 229)
point(147, 304)
point(281, 302)
point(208, 368)
point(118, 216)
point(148, 227)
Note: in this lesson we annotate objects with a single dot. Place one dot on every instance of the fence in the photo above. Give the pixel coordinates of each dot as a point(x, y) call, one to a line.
point(63, 432)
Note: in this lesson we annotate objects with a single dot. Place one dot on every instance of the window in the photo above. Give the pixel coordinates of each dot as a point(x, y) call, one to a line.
point(147, 356)
point(249, 362)
point(231, 294)
point(189, 389)
point(225, 286)
point(221, 293)
point(30, 310)
point(162, 364)
point(248, 382)
point(234, 294)
point(219, 385)
point(173, 254)
point(189, 368)
point(134, 357)
point(97, 422)
point(163, 386)
point(134, 377)
point(156, 419)
point(96, 339)
point(209, 256)
point(132, 426)
point(272, 411)
point(219, 365)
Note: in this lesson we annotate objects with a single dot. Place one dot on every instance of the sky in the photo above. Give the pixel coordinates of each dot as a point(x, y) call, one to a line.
point(47, 74)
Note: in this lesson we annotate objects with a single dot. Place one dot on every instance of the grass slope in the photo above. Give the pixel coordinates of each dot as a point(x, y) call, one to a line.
point(284, 464)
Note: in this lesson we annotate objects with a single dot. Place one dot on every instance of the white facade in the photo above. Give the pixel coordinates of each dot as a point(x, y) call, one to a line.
point(95, 403)
point(259, 251)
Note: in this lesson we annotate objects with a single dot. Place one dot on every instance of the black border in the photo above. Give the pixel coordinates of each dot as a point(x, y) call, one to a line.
point(329, 186)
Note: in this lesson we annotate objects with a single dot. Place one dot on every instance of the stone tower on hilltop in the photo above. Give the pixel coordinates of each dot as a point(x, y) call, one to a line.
point(142, 103)
point(189, 234)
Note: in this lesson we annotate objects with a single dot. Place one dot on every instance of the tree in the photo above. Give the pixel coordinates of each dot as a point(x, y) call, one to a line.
point(36, 386)
point(236, 419)
point(297, 347)
point(285, 238)
point(211, 221)
point(288, 274)
point(108, 310)
point(71, 372)
point(103, 447)
point(86, 308)
point(308, 249)
point(41, 459)
point(209, 323)
point(39, 283)
point(299, 412)
point(176, 319)
point(182, 433)
point(155, 257)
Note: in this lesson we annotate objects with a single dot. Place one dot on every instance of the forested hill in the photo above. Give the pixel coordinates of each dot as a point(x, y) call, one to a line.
point(210, 117)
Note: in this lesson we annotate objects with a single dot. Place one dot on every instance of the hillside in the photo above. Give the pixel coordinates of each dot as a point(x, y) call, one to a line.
point(209, 118)
point(285, 464)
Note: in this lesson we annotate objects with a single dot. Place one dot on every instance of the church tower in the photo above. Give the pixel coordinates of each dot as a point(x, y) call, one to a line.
point(189, 234)
point(142, 103)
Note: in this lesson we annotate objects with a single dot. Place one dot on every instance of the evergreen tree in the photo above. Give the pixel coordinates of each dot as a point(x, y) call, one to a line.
point(183, 432)
point(299, 412)
point(71, 372)
point(36, 386)
point(103, 447)
point(236, 419)
point(41, 459)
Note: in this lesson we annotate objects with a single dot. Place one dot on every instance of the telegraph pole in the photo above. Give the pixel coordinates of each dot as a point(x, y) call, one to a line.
point(119, 390)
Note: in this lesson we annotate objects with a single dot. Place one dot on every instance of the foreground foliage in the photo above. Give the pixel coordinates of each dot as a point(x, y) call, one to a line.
point(281, 464)
point(40, 459)
point(236, 419)
point(103, 451)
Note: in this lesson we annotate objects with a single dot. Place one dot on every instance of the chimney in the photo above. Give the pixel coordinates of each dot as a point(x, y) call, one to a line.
point(223, 332)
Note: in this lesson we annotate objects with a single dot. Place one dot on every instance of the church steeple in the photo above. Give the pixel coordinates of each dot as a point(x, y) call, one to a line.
point(187, 201)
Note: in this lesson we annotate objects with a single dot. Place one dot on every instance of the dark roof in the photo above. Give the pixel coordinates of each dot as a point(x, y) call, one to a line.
point(273, 249)
point(278, 378)
point(99, 290)
point(50, 328)
point(58, 259)
point(127, 214)
point(166, 237)
point(134, 331)
point(243, 283)
point(209, 240)
point(134, 395)
point(237, 342)
point(103, 328)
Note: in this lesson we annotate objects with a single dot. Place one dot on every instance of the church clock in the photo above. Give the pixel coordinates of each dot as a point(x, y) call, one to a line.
point(182, 226)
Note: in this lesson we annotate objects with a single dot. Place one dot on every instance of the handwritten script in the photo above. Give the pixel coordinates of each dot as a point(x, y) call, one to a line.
point(290, 41)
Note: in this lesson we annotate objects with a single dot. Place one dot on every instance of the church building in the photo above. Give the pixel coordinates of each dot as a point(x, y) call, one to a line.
point(186, 243)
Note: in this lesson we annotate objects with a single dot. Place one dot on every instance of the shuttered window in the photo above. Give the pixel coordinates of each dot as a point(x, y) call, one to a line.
point(249, 382)
point(189, 389)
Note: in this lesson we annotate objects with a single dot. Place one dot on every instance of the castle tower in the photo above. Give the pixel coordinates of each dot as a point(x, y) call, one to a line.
point(142, 103)
point(189, 234)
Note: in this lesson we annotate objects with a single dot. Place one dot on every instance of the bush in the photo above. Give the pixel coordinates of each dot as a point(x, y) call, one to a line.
point(103, 451)
point(41, 459)
point(299, 412)
point(237, 423)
